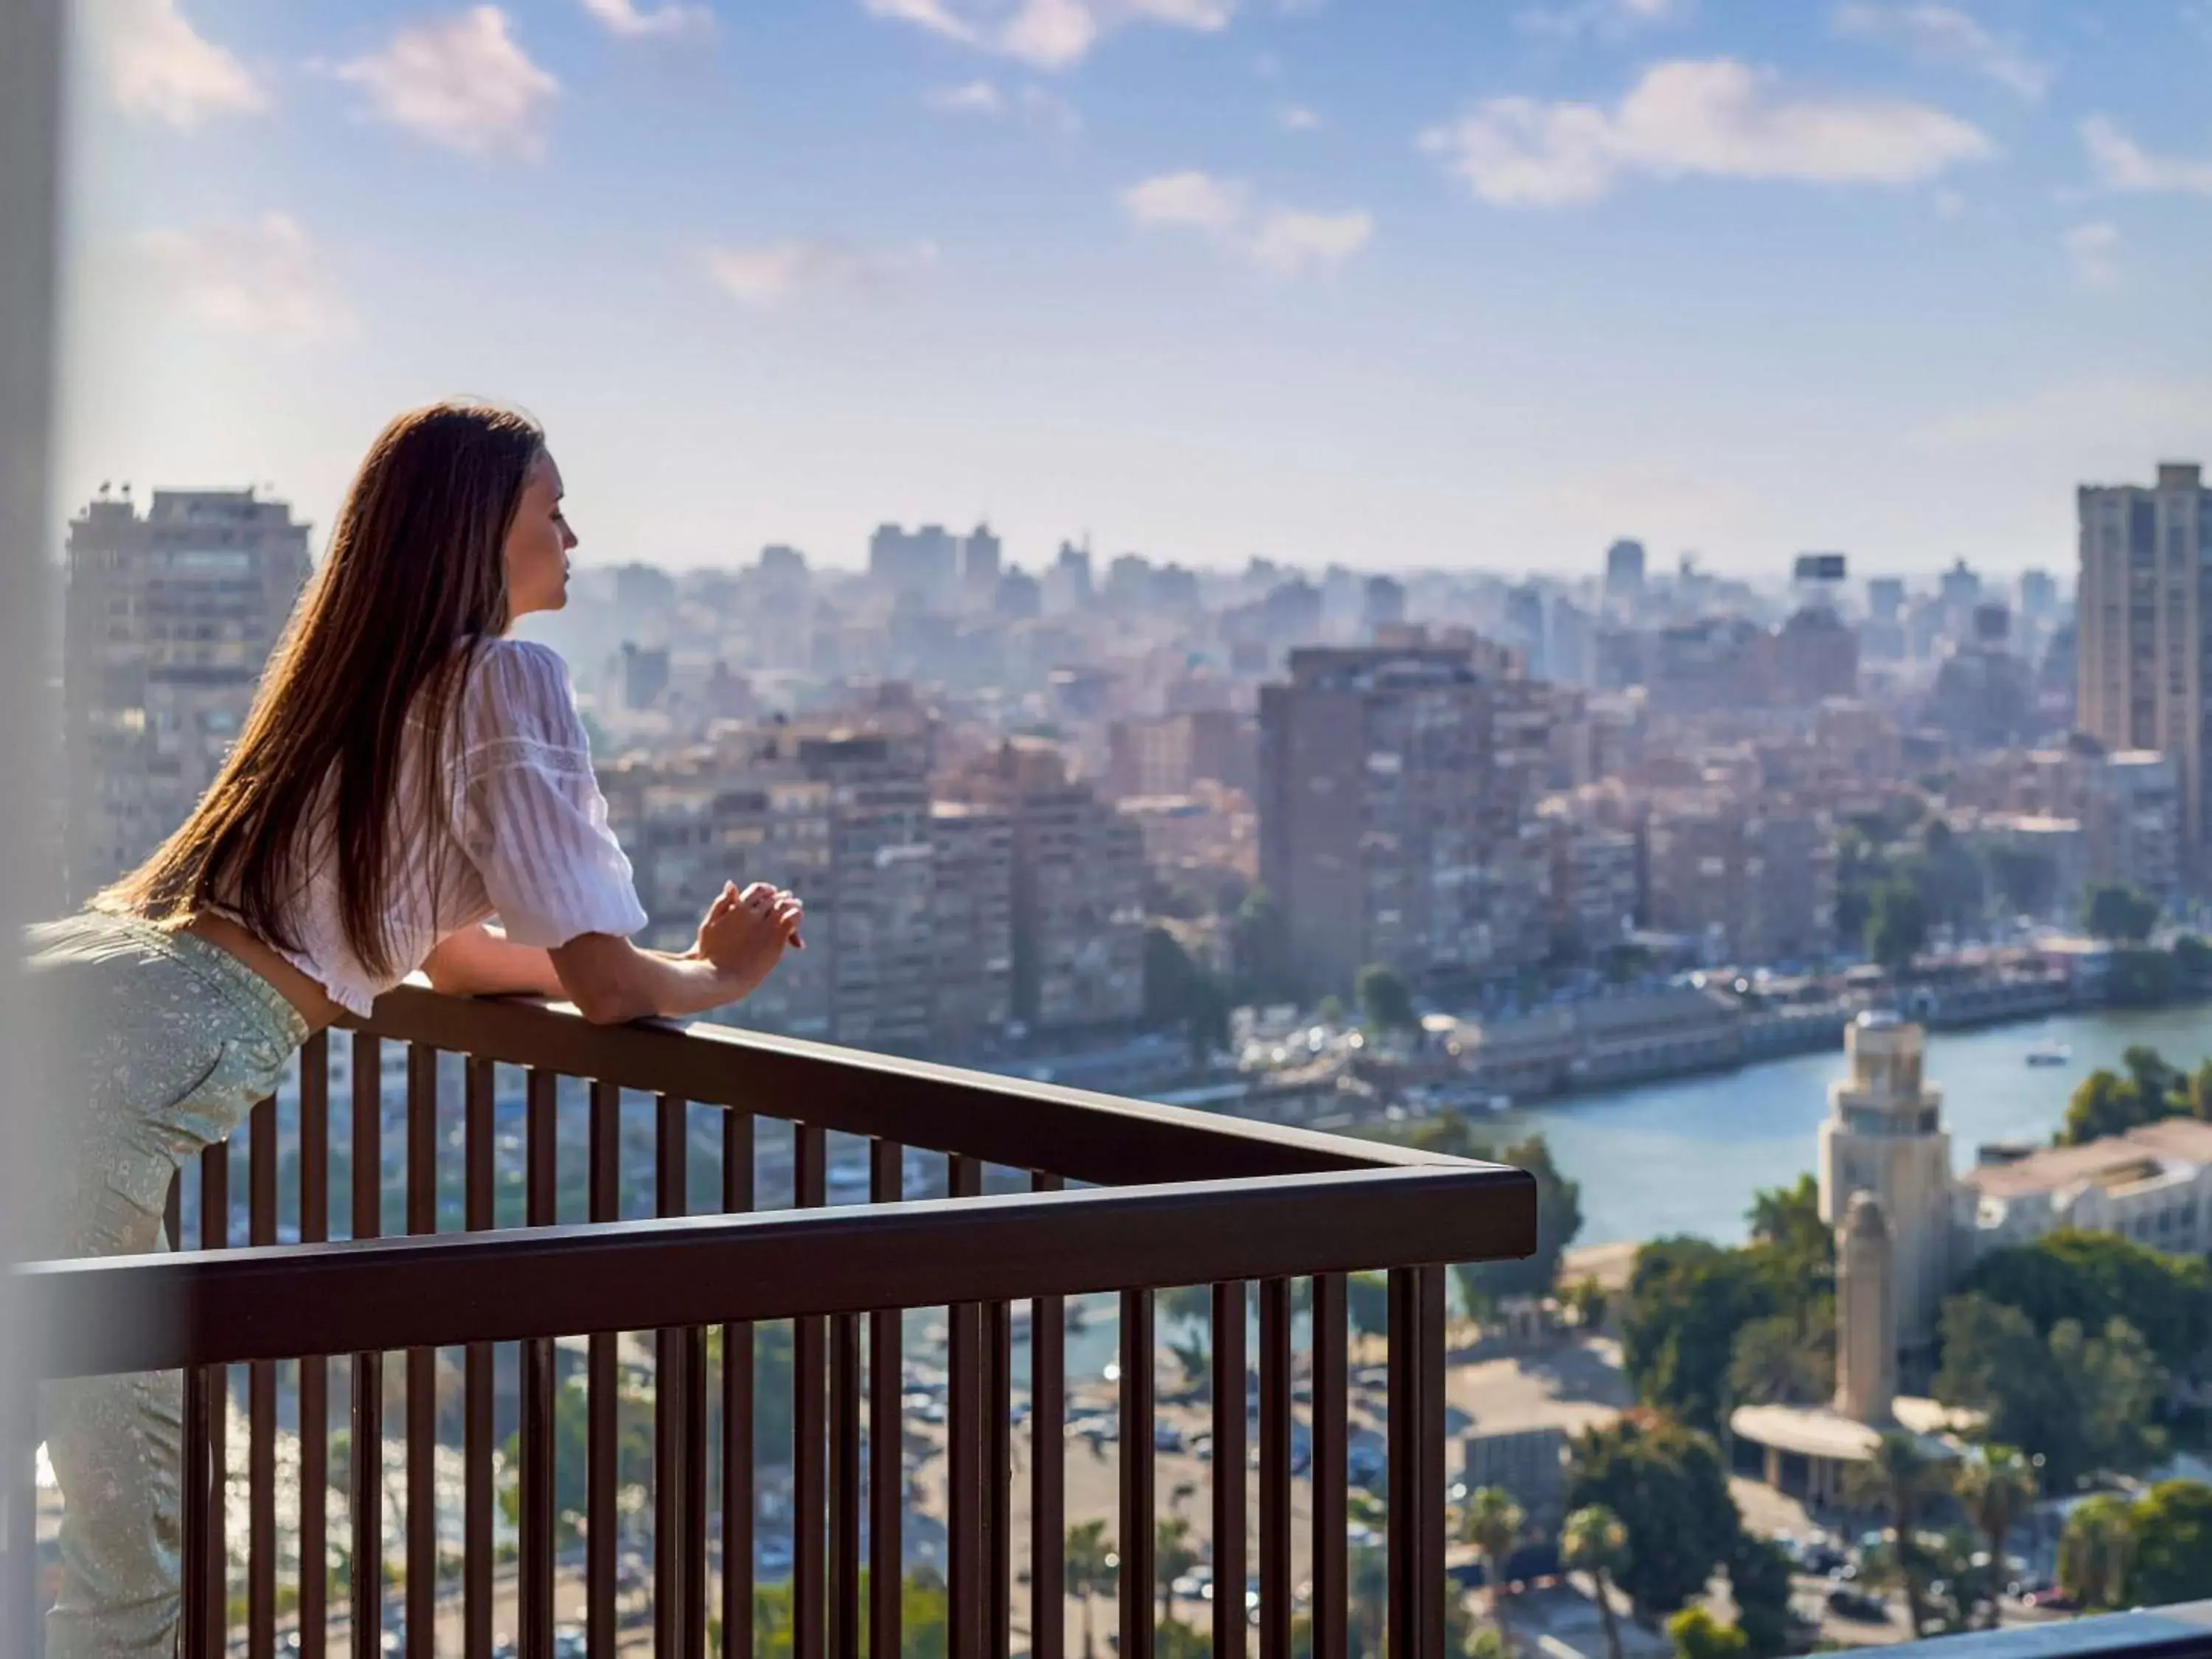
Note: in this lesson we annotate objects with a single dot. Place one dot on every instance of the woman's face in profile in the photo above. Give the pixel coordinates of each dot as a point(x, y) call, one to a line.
point(537, 544)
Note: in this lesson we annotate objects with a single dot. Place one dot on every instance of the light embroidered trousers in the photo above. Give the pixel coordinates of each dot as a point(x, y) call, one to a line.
point(167, 1041)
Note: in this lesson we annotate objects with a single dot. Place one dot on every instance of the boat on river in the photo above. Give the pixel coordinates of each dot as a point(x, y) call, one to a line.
point(2050, 1054)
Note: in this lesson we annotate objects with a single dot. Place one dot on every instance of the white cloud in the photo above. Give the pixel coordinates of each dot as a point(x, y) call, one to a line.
point(672, 21)
point(1195, 200)
point(1049, 34)
point(1721, 119)
point(462, 81)
point(770, 275)
point(160, 68)
point(1297, 117)
point(2094, 248)
point(1291, 244)
point(267, 279)
point(1945, 34)
point(2123, 165)
point(1609, 21)
point(1286, 241)
point(975, 98)
point(1045, 110)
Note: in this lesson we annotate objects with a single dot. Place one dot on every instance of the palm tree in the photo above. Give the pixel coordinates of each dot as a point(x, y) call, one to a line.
point(1995, 1488)
point(1491, 1523)
point(1896, 1480)
point(2093, 1550)
point(1593, 1540)
point(1090, 1565)
point(1172, 1557)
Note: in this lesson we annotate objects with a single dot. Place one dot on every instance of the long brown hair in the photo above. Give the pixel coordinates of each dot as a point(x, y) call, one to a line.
point(415, 577)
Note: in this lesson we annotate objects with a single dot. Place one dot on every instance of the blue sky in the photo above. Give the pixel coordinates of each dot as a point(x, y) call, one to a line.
point(1393, 282)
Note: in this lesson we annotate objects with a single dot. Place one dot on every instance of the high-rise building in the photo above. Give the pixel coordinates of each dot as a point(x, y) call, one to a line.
point(1759, 883)
point(1382, 604)
point(1078, 905)
point(922, 564)
point(981, 558)
point(1623, 573)
point(170, 617)
point(1396, 786)
point(1067, 583)
point(972, 923)
point(2145, 631)
point(1886, 598)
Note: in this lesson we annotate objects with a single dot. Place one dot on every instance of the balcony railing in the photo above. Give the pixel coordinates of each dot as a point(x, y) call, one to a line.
point(985, 1198)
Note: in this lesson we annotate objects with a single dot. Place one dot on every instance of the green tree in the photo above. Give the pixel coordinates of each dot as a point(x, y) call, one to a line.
point(1587, 1299)
point(2111, 910)
point(1898, 1480)
point(1260, 941)
point(1788, 1219)
point(2094, 1549)
point(2103, 1103)
point(1897, 926)
point(1687, 1298)
point(1996, 1487)
point(1697, 1634)
point(1559, 1218)
point(2192, 958)
point(1666, 1483)
point(1178, 993)
point(1783, 1360)
point(2171, 1558)
point(1593, 1540)
point(1173, 1555)
point(2096, 1278)
point(1091, 1565)
point(1384, 1002)
point(1491, 1522)
point(1759, 1583)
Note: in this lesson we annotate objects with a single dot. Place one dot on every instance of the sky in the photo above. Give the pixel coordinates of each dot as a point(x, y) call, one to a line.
point(1393, 283)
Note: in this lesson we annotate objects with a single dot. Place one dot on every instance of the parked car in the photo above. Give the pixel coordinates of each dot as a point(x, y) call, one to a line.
point(1848, 1602)
point(2051, 1600)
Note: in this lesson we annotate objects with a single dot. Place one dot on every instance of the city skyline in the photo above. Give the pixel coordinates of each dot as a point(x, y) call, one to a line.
point(1203, 279)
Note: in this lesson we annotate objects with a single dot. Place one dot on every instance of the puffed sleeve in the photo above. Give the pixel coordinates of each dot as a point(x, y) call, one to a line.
point(532, 820)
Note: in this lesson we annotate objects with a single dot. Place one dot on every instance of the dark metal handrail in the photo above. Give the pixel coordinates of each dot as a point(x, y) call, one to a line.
point(1123, 1198)
point(231, 1307)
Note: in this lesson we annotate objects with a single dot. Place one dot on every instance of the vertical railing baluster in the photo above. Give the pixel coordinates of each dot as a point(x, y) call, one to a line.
point(478, 1130)
point(314, 1372)
point(999, 1473)
point(844, 1633)
point(737, 1415)
point(1275, 1590)
point(365, 1495)
point(1231, 1403)
point(261, 1404)
point(966, 1523)
point(602, 1426)
point(214, 1235)
point(676, 1542)
point(886, 1435)
point(535, 1565)
point(1138, 1504)
point(422, 1602)
point(809, 1379)
point(197, 1643)
point(1331, 1447)
point(1416, 1463)
point(1047, 1465)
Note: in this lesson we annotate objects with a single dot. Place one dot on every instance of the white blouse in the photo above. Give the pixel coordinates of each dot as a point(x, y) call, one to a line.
point(523, 835)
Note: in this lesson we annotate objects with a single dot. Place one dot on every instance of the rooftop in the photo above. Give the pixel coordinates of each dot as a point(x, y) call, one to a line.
point(2108, 1162)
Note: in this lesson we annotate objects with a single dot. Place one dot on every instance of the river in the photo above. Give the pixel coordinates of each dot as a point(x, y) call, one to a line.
point(1685, 1155)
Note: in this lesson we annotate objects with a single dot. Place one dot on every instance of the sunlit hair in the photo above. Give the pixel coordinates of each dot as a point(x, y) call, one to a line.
point(416, 576)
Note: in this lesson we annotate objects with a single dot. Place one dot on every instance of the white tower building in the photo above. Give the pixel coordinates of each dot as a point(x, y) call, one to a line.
point(1866, 1335)
point(1885, 1135)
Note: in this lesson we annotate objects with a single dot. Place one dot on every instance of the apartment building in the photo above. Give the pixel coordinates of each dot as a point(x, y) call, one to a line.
point(170, 616)
point(972, 923)
point(1758, 882)
point(1079, 891)
point(2145, 631)
point(1397, 786)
